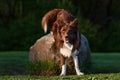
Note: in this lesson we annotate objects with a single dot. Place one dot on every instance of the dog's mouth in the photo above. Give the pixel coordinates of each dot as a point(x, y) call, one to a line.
point(66, 39)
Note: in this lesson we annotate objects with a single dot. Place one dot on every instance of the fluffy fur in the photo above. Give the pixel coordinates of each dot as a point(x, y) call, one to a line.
point(64, 27)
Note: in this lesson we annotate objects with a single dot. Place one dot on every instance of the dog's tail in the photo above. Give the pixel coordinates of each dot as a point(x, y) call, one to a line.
point(49, 18)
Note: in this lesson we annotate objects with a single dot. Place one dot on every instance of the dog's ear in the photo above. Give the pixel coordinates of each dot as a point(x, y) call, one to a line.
point(74, 22)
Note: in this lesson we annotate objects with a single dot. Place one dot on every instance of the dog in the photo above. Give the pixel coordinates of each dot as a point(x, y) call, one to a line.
point(64, 27)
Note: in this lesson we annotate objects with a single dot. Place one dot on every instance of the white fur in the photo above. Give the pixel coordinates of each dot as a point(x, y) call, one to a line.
point(67, 52)
point(63, 73)
point(45, 28)
point(66, 49)
point(75, 58)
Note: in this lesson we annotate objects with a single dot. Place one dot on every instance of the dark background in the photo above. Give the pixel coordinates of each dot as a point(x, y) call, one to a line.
point(20, 22)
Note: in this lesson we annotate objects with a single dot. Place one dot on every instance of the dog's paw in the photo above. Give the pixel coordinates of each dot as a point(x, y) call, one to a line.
point(80, 73)
point(62, 74)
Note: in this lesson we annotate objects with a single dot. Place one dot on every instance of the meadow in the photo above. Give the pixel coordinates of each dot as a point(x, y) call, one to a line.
point(15, 65)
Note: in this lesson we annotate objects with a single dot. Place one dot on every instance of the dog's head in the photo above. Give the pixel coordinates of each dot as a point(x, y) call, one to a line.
point(65, 29)
point(68, 32)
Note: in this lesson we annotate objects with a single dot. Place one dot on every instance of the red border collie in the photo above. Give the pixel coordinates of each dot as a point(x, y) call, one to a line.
point(64, 27)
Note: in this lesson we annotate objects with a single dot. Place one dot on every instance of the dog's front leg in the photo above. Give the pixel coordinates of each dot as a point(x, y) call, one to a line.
point(63, 64)
point(76, 63)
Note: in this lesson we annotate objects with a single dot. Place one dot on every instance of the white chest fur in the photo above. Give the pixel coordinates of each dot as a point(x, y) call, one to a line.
point(66, 50)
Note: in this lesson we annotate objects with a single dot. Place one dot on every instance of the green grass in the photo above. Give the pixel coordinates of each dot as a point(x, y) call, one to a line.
point(111, 76)
point(105, 63)
point(105, 66)
point(13, 63)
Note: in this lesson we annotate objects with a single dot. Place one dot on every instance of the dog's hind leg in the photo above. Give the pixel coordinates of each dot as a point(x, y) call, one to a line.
point(63, 64)
point(76, 63)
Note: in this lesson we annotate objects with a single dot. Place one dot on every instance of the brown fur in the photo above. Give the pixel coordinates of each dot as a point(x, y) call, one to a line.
point(62, 23)
point(50, 17)
point(65, 30)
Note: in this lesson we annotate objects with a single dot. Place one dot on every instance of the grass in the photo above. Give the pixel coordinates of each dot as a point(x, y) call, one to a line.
point(104, 67)
point(105, 63)
point(13, 63)
point(111, 76)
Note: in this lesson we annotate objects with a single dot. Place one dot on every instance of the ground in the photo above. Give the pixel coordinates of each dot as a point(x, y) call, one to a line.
point(105, 66)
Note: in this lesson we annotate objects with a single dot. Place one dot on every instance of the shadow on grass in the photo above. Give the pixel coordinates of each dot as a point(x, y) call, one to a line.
point(16, 63)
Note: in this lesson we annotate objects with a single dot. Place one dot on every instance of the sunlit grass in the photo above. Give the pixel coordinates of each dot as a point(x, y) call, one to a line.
point(110, 76)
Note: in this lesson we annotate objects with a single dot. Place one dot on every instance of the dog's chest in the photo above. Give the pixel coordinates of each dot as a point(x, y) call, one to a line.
point(66, 50)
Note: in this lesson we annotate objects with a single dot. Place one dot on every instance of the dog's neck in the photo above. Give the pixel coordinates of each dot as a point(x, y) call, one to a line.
point(68, 45)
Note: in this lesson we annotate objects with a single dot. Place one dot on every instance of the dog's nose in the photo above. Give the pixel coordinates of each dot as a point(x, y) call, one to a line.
point(66, 36)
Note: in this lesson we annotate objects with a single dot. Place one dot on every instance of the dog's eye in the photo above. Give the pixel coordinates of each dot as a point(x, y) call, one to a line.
point(63, 30)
